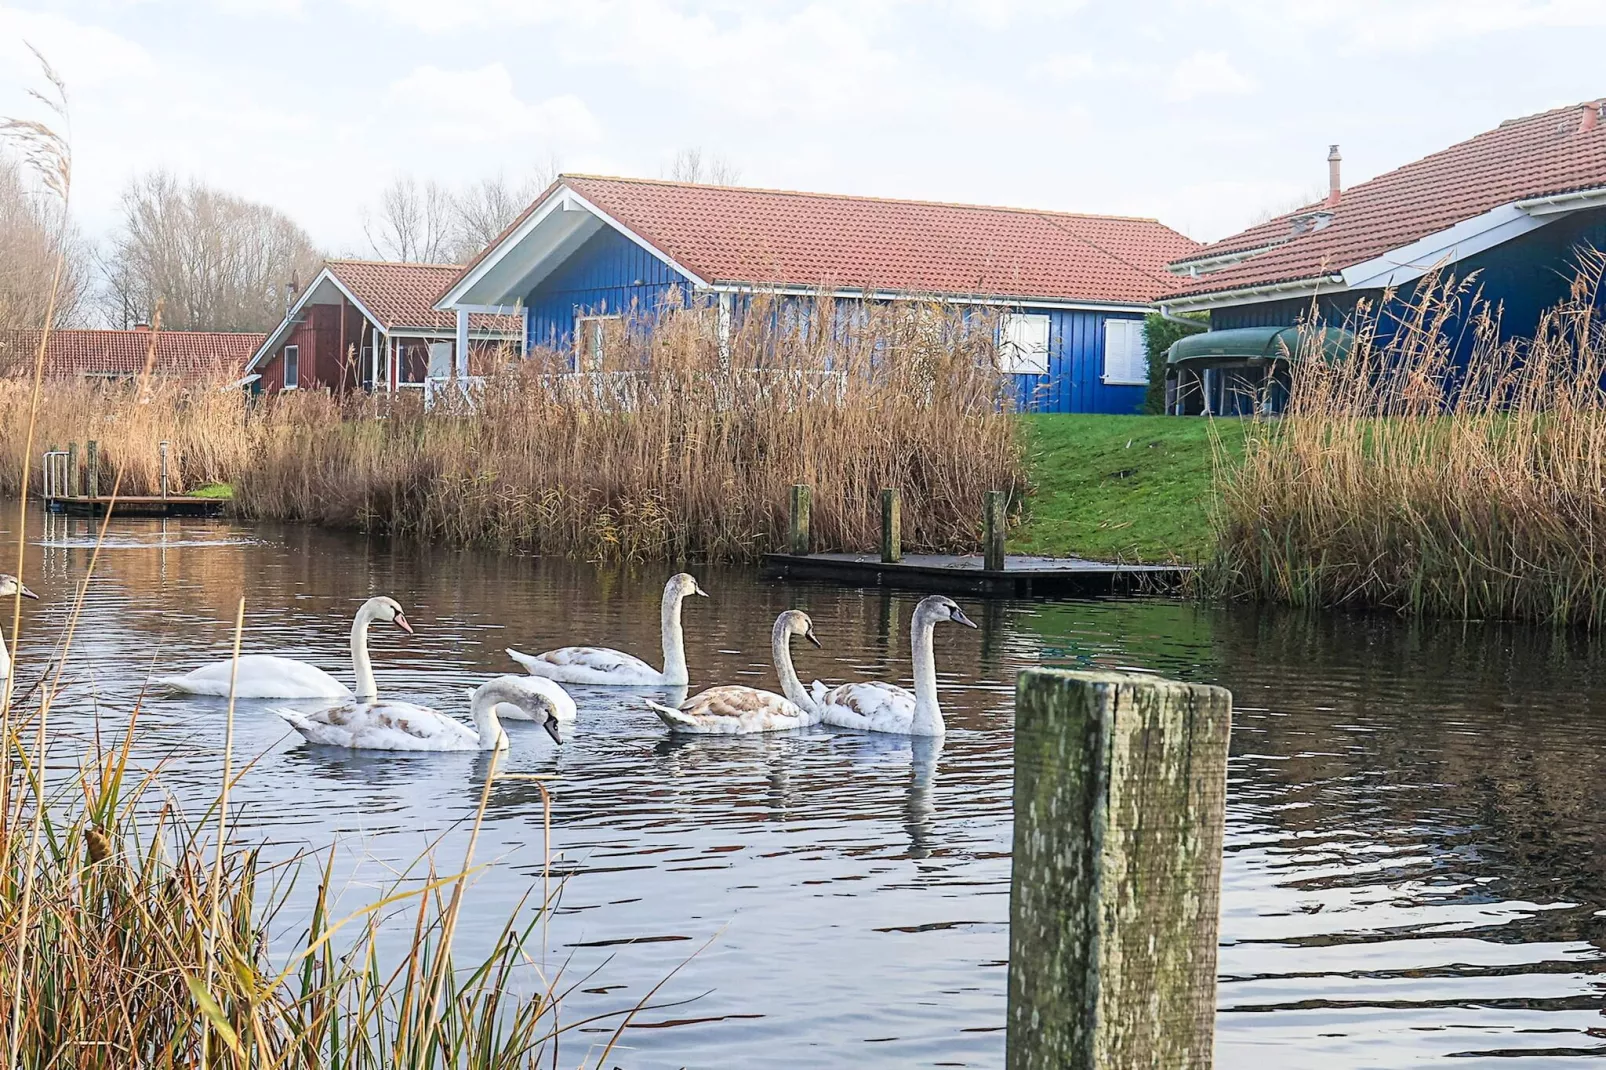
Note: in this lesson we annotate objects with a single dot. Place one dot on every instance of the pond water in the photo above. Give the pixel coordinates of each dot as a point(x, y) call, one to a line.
point(1414, 864)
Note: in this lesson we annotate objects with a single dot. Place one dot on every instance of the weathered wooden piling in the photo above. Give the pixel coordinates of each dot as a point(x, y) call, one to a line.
point(72, 469)
point(92, 475)
point(798, 520)
point(1120, 798)
point(162, 448)
point(992, 540)
point(891, 524)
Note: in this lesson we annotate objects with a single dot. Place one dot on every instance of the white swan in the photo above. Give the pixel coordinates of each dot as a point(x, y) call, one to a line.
point(878, 707)
point(269, 676)
point(736, 710)
point(10, 587)
point(404, 726)
point(600, 665)
point(559, 705)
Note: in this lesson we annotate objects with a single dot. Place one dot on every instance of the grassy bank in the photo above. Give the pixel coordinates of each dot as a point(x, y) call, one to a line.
point(1381, 487)
point(1122, 488)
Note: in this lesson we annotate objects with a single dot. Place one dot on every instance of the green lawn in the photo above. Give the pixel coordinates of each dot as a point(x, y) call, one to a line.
point(213, 490)
point(1122, 488)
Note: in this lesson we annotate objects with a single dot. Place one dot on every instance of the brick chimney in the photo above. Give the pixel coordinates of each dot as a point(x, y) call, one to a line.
point(1334, 188)
point(1591, 116)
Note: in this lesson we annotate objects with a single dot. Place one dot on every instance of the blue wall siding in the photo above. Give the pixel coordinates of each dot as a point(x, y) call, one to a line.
point(608, 274)
point(1075, 379)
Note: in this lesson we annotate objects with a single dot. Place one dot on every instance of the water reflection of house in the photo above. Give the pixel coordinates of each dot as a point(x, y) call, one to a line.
point(1072, 289)
point(1512, 207)
point(71, 354)
point(362, 322)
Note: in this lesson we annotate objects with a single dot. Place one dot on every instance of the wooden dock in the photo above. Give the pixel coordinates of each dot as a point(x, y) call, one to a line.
point(1020, 576)
point(146, 506)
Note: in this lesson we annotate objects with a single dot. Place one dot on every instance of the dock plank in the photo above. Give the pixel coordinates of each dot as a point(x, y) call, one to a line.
point(1021, 575)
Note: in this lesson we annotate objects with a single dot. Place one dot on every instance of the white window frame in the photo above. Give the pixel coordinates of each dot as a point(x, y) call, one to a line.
point(292, 367)
point(590, 332)
point(1020, 350)
point(1134, 368)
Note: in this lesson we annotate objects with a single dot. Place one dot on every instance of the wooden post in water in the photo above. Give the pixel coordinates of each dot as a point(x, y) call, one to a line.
point(72, 469)
point(891, 524)
point(992, 540)
point(798, 522)
point(1120, 801)
point(92, 478)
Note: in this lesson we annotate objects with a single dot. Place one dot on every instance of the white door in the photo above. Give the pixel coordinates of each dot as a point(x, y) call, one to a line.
point(440, 360)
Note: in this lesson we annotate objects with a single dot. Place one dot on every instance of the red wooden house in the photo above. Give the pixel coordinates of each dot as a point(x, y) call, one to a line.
point(369, 325)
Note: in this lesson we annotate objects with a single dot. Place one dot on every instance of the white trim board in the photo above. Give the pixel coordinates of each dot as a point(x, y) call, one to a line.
point(949, 299)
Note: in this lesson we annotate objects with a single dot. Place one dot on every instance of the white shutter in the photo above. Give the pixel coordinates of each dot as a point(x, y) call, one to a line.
point(1126, 360)
point(1023, 344)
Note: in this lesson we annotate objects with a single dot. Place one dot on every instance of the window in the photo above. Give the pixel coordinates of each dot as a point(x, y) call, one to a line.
point(1023, 344)
point(1126, 356)
point(440, 359)
point(292, 367)
point(591, 335)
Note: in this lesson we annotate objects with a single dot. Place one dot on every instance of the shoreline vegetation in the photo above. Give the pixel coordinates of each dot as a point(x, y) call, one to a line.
point(1409, 478)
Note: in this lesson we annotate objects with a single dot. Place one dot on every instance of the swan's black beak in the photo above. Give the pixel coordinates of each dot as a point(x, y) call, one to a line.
point(401, 622)
point(551, 726)
point(809, 635)
point(957, 615)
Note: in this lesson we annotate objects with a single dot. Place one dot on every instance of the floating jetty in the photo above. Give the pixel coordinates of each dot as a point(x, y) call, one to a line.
point(73, 489)
point(173, 505)
point(990, 572)
point(1020, 576)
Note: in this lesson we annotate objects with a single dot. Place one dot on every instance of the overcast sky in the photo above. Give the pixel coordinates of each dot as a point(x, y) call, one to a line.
point(1204, 114)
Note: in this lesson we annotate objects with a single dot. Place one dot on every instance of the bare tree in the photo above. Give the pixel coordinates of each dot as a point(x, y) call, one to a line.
point(215, 261)
point(486, 208)
point(414, 222)
point(691, 165)
point(32, 236)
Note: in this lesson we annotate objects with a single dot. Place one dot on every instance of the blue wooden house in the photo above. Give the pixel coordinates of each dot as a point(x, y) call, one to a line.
point(1071, 290)
point(1513, 213)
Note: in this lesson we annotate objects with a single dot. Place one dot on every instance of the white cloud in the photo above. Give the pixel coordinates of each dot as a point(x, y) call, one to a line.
point(482, 105)
point(1205, 74)
point(85, 56)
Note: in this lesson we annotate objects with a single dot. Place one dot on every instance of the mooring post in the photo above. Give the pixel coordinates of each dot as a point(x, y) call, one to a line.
point(798, 526)
point(162, 446)
point(72, 469)
point(92, 478)
point(1120, 801)
point(891, 524)
point(992, 542)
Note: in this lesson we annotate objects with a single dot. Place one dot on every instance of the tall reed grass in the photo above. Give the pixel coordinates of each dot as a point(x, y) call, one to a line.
point(674, 443)
point(1411, 478)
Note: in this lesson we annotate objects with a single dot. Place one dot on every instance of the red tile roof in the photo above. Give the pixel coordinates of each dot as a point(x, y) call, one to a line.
point(778, 238)
point(193, 354)
point(403, 295)
point(1556, 151)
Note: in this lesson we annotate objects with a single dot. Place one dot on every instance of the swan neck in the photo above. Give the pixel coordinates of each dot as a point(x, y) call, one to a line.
point(360, 665)
point(486, 723)
point(674, 639)
point(928, 715)
point(791, 686)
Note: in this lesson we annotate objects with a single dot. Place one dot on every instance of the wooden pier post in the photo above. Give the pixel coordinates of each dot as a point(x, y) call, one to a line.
point(162, 448)
point(992, 541)
point(891, 524)
point(72, 469)
point(798, 521)
point(1120, 800)
point(92, 478)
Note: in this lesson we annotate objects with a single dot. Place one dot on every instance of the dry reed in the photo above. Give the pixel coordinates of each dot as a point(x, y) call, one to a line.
point(1413, 478)
point(675, 444)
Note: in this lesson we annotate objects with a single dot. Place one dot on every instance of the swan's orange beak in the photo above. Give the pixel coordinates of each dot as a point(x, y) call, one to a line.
point(401, 622)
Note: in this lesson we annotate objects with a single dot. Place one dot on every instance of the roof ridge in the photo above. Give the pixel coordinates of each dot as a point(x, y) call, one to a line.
point(392, 263)
point(776, 192)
